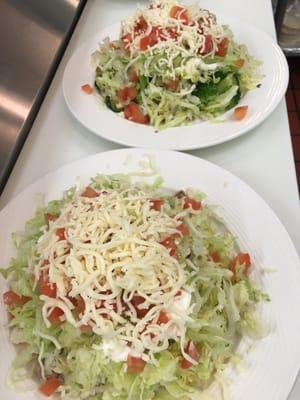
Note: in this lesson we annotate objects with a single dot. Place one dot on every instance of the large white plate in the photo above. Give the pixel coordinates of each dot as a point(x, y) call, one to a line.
point(271, 366)
point(109, 125)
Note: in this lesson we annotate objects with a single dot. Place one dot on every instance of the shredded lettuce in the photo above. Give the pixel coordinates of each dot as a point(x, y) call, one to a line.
point(209, 85)
point(223, 311)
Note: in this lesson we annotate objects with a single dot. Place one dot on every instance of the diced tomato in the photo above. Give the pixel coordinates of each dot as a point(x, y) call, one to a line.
point(126, 94)
point(45, 287)
point(163, 318)
point(132, 75)
point(179, 293)
point(10, 298)
point(240, 259)
point(193, 352)
point(240, 112)
point(239, 63)
point(50, 386)
point(144, 43)
point(170, 244)
point(172, 33)
point(156, 204)
point(222, 47)
point(127, 40)
point(136, 301)
point(89, 192)
point(172, 84)
point(61, 233)
point(87, 89)
point(85, 328)
point(152, 39)
point(189, 202)
point(134, 113)
point(79, 305)
point(55, 315)
point(141, 26)
point(183, 229)
point(215, 257)
point(207, 45)
point(49, 217)
point(135, 365)
point(179, 13)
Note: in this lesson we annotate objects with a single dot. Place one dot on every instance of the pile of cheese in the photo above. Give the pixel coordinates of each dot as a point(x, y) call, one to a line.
point(110, 254)
point(190, 38)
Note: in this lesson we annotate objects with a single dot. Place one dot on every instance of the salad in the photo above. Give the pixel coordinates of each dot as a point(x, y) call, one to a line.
point(173, 64)
point(123, 290)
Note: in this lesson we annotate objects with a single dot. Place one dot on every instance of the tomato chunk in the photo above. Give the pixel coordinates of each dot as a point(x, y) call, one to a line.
point(136, 301)
point(141, 26)
point(188, 202)
point(80, 304)
point(222, 47)
point(183, 229)
point(134, 113)
point(50, 217)
point(193, 352)
point(128, 93)
point(135, 365)
point(172, 84)
point(11, 299)
point(87, 89)
point(240, 259)
point(163, 318)
point(50, 386)
point(54, 316)
point(144, 43)
point(132, 75)
point(240, 112)
point(207, 45)
point(172, 33)
point(179, 13)
point(156, 204)
point(61, 233)
point(152, 39)
point(45, 287)
point(239, 63)
point(170, 244)
point(89, 192)
point(215, 257)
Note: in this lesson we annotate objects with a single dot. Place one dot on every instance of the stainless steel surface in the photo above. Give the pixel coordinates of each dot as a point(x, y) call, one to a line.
point(287, 19)
point(33, 34)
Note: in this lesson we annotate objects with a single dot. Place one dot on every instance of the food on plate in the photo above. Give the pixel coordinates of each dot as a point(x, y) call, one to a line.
point(240, 112)
point(173, 64)
point(126, 290)
point(87, 88)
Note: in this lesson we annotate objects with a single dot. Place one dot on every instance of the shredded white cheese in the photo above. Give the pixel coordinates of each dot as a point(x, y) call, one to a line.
point(190, 38)
point(110, 258)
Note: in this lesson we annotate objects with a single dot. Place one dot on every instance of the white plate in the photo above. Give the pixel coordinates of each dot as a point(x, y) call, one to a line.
point(109, 125)
point(271, 366)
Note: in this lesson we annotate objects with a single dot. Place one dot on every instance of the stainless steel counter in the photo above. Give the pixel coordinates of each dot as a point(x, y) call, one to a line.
point(33, 36)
